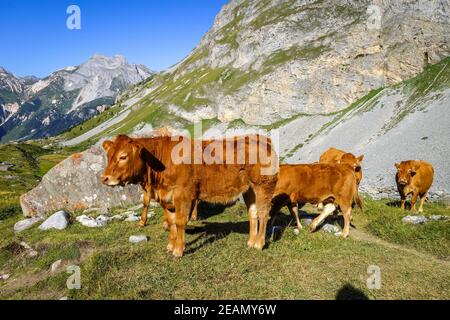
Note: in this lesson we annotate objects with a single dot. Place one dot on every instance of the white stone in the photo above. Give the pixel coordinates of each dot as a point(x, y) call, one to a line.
point(90, 222)
point(59, 220)
point(138, 238)
point(5, 276)
point(415, 219)
point(26, 223)
point(132, 218)
point(55, 265)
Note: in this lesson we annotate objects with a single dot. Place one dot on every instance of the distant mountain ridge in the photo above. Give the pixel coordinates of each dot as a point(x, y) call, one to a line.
point(35, 108)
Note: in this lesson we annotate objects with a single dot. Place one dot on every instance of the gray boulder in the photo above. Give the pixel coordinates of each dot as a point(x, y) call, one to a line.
point(26, 223)
point(415, 219)
point(74, 184)
point(59, 220)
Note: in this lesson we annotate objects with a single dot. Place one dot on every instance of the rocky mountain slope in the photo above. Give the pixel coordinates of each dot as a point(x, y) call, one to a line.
point(35, 109)
point(303, 68)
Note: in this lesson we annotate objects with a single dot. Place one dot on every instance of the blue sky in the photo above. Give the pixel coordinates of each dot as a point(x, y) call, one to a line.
point(34, 39)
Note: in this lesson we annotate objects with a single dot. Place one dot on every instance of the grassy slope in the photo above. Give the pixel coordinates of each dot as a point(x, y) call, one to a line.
point(218, 264)
point(31, 162)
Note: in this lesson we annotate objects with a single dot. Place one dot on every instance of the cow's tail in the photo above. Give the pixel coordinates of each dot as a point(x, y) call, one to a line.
point(356, 197)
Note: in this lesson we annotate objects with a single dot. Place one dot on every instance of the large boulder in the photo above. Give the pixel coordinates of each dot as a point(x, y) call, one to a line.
point(74, 184)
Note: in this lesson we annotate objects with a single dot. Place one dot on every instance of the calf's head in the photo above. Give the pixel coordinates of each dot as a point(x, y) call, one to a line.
point(406, 170)
point(126, 163)
point(355, 163)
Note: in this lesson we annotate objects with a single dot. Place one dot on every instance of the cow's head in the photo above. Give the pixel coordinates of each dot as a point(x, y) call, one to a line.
point(405, 171)
point(355, 163)
point(127, 160)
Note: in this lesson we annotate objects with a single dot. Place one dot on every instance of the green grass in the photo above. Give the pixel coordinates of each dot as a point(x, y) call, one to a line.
point(383, 219)
point(31, 162)
point(218, 264)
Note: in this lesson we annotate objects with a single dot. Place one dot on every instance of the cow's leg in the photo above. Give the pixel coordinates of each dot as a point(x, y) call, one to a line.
point(423, 197)
point(182, 209)
point(327, 210)
point(172, 229)
point(194, 211)
point(293, 209)
point(263, 201)
point(347, 213)
point(413, 201)
point(166, 217)
point(147, 198)
point(250, 202)
point(402, 200)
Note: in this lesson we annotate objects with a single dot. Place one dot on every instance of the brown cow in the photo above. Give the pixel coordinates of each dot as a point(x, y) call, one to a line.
point(333, 155)
point(179, 173)
point(414, 177)
point(332, 184)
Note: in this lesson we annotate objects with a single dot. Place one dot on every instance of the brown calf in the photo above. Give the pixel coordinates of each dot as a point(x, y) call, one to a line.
point(414, 177)
point(333, 155)
point(178, 173)
point(332, 184)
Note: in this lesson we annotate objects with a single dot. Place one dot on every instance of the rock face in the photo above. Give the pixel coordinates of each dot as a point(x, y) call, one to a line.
point(65, 98)
point(74, 184)
point(401, 122)
point(266, 61)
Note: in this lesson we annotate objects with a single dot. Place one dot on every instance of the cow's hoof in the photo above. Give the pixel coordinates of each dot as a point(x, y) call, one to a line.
point(141, 224)
point(312, 228)
point(170, 247)
point(177, 253)
point(250, 243)
point(344, 236)
point(259, 246)
point(165, 225)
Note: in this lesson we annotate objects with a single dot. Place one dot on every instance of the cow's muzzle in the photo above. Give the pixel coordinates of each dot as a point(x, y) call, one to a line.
point(108, 180)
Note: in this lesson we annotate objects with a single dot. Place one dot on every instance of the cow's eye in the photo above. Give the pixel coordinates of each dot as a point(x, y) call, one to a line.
point(123, 157)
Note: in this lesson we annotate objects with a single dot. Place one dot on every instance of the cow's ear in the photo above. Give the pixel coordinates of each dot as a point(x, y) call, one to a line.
point(397, 165)
point(137, 146)
point(107, 144)
point(414, 170)
point(360, 158)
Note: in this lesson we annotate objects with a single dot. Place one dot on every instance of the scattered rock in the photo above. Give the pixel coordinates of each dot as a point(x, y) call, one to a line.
point(415, 219)
point(296, 231)
point(59, 220)
point(438, 217)
point(90, 222)
point(117, 217)
point(307, 221)
point(102, 219)
point(55, 266)
point(138, 238)
point(29, 250)
point(5, 276)
point(63, 298)
point(331, 228)
point(26, 223)
point(132, 218)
